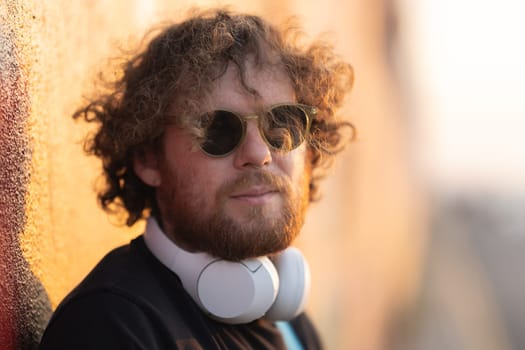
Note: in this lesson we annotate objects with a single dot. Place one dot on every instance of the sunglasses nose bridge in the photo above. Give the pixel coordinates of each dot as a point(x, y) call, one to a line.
point(246, 121)
point(250, 117)
point(246, 118)
point(257, 119)
point(252, 150)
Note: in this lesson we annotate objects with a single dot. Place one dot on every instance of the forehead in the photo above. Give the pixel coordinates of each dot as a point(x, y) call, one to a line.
point(271, 83)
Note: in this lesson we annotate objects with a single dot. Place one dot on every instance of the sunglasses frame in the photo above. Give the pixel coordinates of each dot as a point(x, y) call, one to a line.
point(309, 111)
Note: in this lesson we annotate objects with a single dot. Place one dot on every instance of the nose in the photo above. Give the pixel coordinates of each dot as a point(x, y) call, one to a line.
point(253, 152)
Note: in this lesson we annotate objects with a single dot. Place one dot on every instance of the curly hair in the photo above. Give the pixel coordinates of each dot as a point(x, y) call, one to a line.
point(178, 68)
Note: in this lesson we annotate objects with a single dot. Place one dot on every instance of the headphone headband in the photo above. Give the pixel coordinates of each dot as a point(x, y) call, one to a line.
point(235, 292)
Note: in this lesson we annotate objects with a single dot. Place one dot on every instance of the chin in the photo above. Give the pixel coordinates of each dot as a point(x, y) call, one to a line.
point(248, 214)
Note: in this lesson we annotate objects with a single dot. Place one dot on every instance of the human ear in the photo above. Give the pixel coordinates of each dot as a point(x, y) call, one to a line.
point(146, 167)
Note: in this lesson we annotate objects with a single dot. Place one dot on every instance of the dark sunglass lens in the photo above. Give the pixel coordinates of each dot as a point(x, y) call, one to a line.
point(287, 126)
point(223, 133)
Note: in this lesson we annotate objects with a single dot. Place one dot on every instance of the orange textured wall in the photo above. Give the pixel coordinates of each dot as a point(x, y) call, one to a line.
point(362, 240)
point(24, 305)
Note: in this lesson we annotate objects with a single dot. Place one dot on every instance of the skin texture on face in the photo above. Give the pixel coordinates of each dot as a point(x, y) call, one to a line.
point(249, 203)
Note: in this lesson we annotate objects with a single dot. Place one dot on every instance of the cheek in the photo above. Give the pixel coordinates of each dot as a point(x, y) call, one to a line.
point(199, 178)
point(293, 164)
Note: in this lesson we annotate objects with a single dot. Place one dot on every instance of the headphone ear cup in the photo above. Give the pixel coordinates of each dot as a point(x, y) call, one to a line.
point(237, 292)
point(294, 285)
point(230, 292)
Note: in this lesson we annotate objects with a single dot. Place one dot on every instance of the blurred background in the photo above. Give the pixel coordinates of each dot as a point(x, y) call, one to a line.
point(417, 242)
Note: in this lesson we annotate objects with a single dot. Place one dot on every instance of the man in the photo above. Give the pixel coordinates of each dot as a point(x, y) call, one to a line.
point(217, 134)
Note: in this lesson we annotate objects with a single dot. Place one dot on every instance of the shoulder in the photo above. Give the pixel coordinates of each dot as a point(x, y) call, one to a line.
point(306, 332)
point(133, 275)
point(129, 271)
point(123, 303)
point(102, 319)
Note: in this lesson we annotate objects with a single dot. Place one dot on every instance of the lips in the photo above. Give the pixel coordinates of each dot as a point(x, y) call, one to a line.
point(254, 192)
point(254, 188)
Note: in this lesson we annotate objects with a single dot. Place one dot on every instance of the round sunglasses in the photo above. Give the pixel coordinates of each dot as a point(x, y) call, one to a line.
point(283, 127)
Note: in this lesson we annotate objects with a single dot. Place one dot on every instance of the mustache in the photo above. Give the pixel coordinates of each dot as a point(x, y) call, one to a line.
point(256, 178)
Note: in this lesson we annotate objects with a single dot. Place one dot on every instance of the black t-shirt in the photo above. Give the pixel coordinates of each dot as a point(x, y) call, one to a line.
point(131, 301)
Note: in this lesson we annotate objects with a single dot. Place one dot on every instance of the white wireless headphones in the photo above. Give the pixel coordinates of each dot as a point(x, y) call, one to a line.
point(236, 292)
